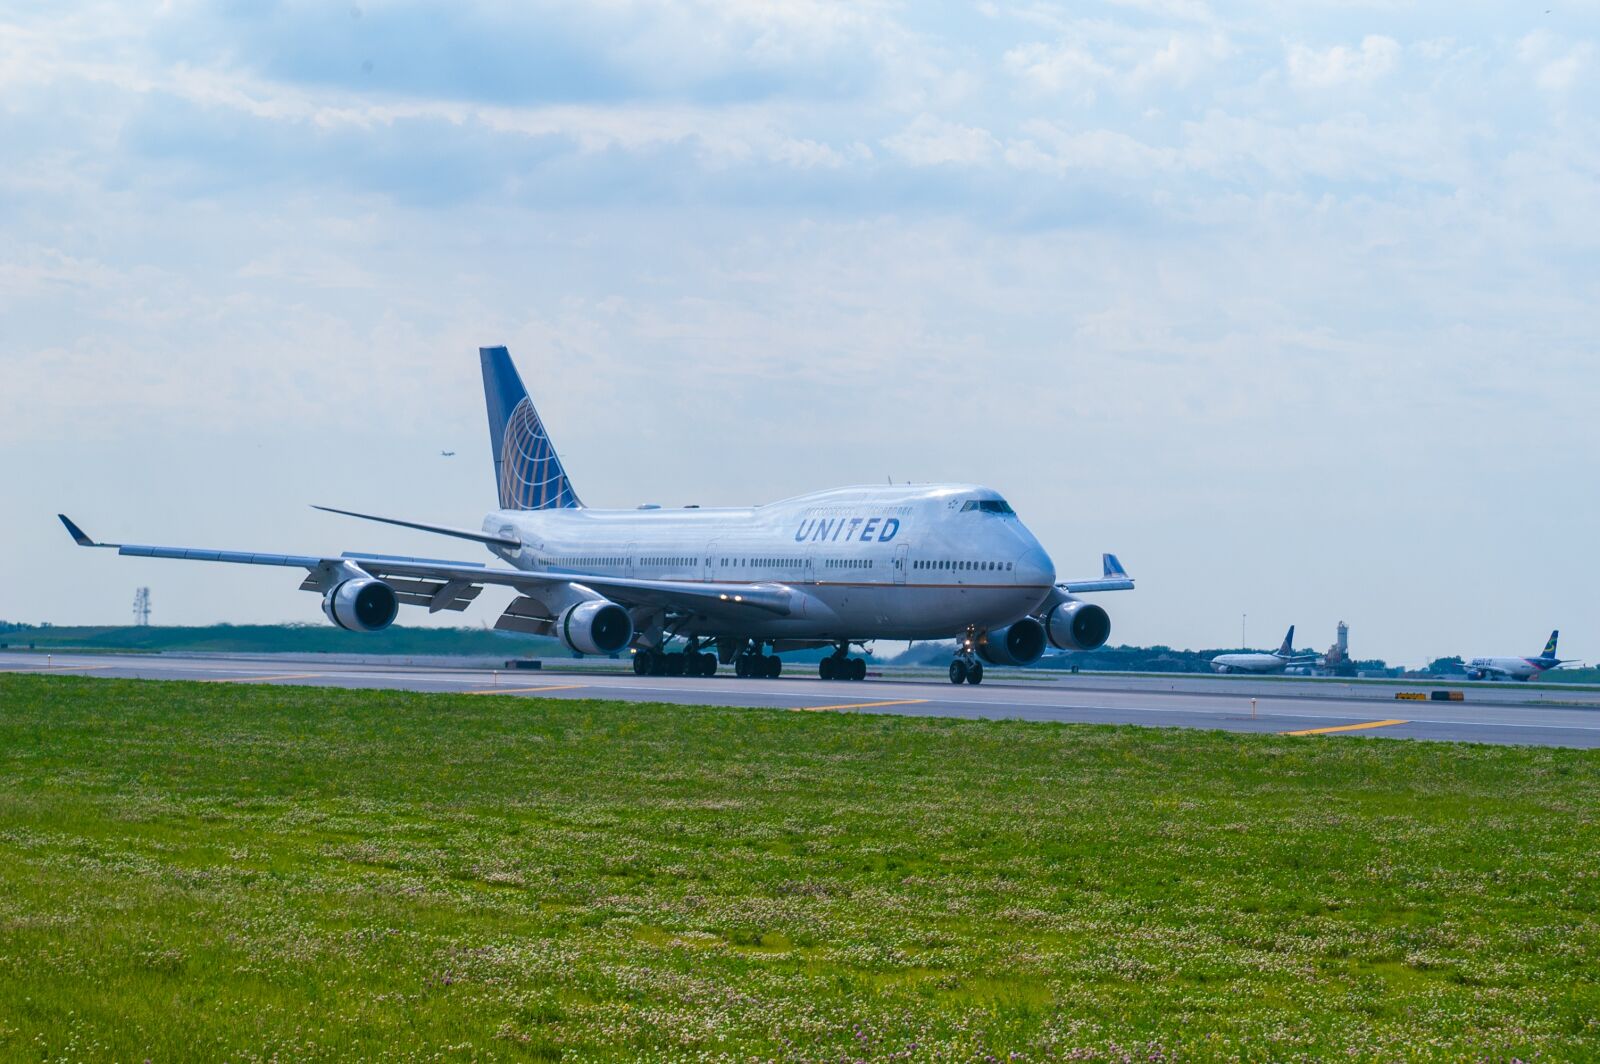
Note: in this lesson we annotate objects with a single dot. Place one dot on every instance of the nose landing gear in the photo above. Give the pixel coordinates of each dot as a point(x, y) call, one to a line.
point(967, 668)
point(964, 671)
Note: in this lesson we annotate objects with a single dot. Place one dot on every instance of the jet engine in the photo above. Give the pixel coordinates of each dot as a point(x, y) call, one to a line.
point(595, 627)
point(361, 604)
point(1015, 644)
point(1076, 625)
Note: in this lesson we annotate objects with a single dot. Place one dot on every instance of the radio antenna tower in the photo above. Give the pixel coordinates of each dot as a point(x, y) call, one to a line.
point(141, 607)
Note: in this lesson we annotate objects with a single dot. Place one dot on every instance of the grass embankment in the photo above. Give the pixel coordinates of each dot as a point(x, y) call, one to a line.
point(236, 872)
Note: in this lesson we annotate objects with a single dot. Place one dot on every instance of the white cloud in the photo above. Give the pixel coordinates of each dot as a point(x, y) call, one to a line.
point(1339, 66)
point(1049, 148)
point(1182, 59)
point(1057, 68)
point(1126, 229)
point(1558, 65)
point(930, 141)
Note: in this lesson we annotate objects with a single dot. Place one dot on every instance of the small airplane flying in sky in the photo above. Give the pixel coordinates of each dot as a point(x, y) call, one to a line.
point(692, 588)
point(447, 454)
point(1517, 668)
point(1277, 661)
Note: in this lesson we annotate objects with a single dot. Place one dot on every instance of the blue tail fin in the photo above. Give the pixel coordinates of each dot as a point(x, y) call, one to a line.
point(1550, 647)
point(1288, 643)
point(526, 468)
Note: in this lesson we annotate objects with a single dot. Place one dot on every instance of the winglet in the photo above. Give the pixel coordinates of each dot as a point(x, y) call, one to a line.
point(78, 535)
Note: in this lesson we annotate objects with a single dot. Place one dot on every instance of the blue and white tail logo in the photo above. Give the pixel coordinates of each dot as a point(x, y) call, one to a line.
point(529, 474)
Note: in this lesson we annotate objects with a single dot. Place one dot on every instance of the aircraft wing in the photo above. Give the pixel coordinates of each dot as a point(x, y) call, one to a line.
point(1114, 578)
point(440, 584)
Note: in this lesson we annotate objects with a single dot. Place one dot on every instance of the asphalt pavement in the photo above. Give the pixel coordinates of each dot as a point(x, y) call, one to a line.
point(1490, 713)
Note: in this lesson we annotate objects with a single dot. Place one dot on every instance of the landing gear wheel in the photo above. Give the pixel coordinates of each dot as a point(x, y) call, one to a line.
point(741, 666)
point(958, 671)
point(774, 667)
point(641, 663)
point(826, 669)
point(708, 664)
point(675, 663)
point(975, 672)
point(858, 668)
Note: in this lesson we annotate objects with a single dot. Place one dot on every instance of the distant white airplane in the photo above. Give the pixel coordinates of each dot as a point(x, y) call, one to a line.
point(1277, 661)
point(1517, 668)
point(834, 568)
point(447, 454)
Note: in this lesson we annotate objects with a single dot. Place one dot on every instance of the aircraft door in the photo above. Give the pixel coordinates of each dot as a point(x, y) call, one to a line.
point(631, 560)
point(900, 562)
point(709, 572)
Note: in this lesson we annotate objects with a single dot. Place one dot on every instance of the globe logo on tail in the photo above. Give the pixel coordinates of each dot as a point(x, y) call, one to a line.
point(531, 477)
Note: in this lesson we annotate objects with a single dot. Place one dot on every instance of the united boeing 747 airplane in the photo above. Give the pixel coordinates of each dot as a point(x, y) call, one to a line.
point(690, 589)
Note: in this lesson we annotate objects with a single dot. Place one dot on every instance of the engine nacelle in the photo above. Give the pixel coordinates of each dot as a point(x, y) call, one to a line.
point(362, 604)
point(595, 627)
point(1015, 644)
point(1075, 625)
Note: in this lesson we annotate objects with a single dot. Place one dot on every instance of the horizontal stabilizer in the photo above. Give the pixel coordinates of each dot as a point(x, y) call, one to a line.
point(1114, 578)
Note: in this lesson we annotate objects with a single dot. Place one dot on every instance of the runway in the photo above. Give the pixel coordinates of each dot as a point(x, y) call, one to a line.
point(1503, 713)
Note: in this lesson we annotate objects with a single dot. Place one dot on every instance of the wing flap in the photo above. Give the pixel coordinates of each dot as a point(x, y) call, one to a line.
point(527, 615)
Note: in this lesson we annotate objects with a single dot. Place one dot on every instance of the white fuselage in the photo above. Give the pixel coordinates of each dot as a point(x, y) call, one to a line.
point(1505, 668)
point(1256, 663)
point(892, 562)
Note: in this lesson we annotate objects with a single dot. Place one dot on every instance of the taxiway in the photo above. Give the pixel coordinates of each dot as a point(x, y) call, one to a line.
point(1505, 713)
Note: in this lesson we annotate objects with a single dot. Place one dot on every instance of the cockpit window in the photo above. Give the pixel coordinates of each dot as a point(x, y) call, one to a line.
point(988, 506)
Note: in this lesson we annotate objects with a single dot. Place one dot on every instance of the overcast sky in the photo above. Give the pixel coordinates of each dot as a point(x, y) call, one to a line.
point(1291, 305)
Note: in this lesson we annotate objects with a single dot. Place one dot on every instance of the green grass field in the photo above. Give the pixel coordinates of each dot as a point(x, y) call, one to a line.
point(219, 871)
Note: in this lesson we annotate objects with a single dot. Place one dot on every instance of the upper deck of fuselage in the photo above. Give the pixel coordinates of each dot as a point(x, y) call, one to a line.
point(922, 497)
point(874, 526)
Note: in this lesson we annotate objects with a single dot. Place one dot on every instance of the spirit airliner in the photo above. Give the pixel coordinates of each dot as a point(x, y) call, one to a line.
point(1523, 669)
point(690, 589)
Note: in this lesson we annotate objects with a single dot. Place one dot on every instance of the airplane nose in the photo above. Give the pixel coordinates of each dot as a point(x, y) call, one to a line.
point(1035, 568)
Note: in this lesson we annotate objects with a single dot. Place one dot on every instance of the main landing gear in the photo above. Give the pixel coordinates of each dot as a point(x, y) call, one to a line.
point(691, 662)
point(840, 666)
point(753, 664)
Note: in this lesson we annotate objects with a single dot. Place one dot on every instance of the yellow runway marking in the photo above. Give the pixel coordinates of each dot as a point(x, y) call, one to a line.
point(860, 705)
point(1346, 727)
point(264, 679)
point(527, 690)
point(54, 668)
